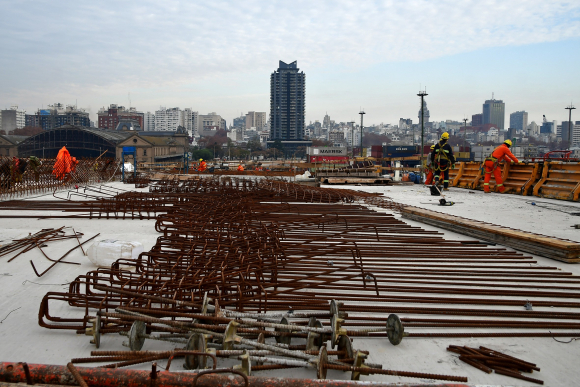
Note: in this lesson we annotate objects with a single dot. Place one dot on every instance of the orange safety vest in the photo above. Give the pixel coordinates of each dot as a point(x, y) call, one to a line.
point(501, 153)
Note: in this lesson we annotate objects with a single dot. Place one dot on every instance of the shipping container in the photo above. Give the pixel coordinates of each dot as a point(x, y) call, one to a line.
point(329, 159)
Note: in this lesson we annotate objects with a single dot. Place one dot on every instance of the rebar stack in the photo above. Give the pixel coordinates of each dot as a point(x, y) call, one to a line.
point(262, 246)
point(28, 177)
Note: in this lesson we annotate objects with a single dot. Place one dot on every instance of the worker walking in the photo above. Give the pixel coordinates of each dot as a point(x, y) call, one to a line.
point(500, 154)
point(442, 159)
point(429, 168)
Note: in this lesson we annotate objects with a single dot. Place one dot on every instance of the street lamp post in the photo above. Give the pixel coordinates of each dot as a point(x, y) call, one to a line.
point(465, 130)
point(362, 113)
point(570, 126)
point(214, 144)
point(422, 94)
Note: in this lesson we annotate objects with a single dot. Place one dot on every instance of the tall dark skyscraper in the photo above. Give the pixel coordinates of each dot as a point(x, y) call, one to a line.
point(287, 103)
point(494, 112)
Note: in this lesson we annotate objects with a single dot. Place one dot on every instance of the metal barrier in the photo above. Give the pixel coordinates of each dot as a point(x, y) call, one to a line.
point(560, 180)
point(521, 178)
point(468, 172)
point(454, 172)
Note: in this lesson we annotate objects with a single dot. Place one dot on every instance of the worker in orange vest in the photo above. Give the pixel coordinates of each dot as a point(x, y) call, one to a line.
point(500, 154)
point(241, 168)
point(202, 165)
point(429, 168)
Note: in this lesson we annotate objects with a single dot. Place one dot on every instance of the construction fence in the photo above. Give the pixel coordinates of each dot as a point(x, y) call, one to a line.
point(24, 176)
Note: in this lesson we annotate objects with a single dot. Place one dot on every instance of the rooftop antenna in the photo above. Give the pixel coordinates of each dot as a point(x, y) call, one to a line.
point(492, 95)
point(129, 100)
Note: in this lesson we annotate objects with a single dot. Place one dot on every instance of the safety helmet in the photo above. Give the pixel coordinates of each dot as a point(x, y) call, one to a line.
point(432, 146)
point(445, 136)
point(508, 142)
point(200, 159)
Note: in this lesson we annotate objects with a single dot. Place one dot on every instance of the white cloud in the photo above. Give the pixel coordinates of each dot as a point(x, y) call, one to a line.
point(108, 47)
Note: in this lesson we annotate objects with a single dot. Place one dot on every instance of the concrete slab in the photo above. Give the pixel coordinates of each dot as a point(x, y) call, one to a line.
point(21, 339)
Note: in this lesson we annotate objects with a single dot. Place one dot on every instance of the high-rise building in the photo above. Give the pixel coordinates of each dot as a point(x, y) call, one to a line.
point(209, 123)
point(173, 118)
point(149, 122)
point(240, 122)
point(494, 113)
point(287, 102)
point(57, 115)
point(563, 131)
point(326, 121)
point(110, 117)
point(256, 120)
point(477, 119)
point(519, 120)
point(548, 127)
point(405, 123)
point(190, 122)
point(12, 118)
point(425, 113)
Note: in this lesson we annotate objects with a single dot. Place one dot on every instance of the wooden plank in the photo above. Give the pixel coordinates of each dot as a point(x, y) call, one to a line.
point(550, 247)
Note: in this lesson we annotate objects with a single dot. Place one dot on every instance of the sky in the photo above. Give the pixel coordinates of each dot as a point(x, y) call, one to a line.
point(217, 56)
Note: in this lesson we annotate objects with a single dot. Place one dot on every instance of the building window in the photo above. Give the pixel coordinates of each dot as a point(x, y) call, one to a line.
point(144, 152)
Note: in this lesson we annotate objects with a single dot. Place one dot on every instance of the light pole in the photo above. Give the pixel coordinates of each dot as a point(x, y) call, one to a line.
point(362, 113)
point(422, 94)
point(464, 131)
point(214, 144)
point(570, 126)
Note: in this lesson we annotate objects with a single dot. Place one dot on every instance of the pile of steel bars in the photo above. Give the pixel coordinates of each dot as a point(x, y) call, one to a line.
point(264, 246)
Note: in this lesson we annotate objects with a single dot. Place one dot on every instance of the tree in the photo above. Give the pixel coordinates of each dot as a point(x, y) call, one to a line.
point(371, 139)
point(254, 145)
point(205, 154)
point(278, 145)
point(316, 142)
point(27, 131)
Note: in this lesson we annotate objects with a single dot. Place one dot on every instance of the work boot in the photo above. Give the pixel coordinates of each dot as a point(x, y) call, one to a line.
point(445, 189)
point(486, 191)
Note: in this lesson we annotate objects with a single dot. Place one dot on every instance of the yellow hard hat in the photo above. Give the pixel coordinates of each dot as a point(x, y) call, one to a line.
point(508, 142)
point(432, 147)
point(200, 159)
point(445, 136)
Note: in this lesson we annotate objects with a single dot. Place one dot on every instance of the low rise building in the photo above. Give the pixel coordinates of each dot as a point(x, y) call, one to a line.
point(108, 118)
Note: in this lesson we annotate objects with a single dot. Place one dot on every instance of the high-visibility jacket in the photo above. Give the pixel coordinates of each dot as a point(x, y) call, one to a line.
point(442, 153)
point(62, 166)
point(240, 168)
point(202, 166)
point(501, 153)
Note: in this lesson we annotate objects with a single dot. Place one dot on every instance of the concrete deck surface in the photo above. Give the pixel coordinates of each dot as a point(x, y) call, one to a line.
point(22, 339)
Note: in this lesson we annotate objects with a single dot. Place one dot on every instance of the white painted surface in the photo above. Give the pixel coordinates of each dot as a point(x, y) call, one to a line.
point(22, 339)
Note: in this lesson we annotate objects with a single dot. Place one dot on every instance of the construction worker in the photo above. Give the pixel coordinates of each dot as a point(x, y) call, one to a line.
point(442, 159)
point(240, 168)
point(62, 166)
point(202, 165)
point(429, 168)
point(500, 154)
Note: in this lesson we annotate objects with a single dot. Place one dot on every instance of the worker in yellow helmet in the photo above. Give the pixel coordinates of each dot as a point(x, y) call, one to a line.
point(429, 168)
point(499, 154)
point(202, 165)
point(442, 159)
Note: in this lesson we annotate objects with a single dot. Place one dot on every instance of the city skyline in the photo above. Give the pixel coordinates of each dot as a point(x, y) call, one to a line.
point(372, 55)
